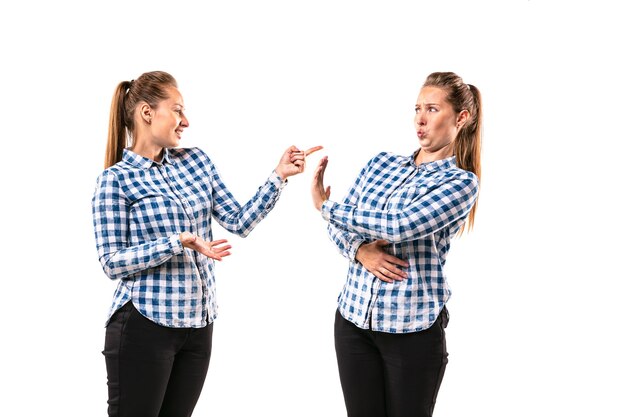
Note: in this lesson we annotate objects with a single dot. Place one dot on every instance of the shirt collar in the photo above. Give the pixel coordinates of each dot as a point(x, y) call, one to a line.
point(139, 161)
point(438, 165)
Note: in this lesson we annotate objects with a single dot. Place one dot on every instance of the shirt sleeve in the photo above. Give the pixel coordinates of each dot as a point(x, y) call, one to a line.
point(348, 242)
point(110, 217)
point(238, 219)
point(440, 206)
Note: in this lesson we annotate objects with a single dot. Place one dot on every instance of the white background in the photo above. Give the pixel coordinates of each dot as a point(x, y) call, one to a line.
point(537, 316)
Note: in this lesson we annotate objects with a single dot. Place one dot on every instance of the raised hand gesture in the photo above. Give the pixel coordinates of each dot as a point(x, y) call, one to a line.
point(293, 161)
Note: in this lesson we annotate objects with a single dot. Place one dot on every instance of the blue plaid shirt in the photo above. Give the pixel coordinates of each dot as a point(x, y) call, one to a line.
point(417, 209)
point(139, 209)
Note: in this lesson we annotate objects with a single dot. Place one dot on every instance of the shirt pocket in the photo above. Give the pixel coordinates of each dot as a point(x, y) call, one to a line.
point(402, 197)
point(197, 198)
point(153, 216)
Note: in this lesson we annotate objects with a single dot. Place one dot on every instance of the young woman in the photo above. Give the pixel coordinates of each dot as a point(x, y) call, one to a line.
point(152, 211)
point(395, 227)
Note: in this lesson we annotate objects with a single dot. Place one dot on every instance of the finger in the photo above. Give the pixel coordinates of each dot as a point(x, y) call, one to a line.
point(313, 149)
point(395, 273)
point(328, 192)
point(318, 172)
point(217, 242)
point(396, 261)
point(321, 167)
point(323, 162)
point(382, 277)
point(222, 249)
point(212, 255)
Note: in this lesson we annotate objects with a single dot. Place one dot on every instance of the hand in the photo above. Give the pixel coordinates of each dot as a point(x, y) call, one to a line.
point(215, 250)
point(377, 261)
point(318, 192)
point(293, 161)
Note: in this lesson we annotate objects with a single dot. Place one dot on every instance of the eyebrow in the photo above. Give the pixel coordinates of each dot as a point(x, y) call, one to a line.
point(427, 104)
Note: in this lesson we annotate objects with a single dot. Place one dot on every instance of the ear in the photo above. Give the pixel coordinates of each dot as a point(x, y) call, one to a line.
point(462, 118)
point(146, 112)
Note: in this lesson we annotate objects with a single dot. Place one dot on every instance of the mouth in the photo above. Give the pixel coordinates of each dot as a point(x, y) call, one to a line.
point(421, 134)
point(179, 132)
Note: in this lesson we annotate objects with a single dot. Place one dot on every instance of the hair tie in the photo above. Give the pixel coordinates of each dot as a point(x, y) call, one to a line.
point(130, 85)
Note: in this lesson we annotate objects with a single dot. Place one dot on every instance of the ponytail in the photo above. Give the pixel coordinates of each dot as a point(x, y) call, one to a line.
point(468, 145)
point(117, 139)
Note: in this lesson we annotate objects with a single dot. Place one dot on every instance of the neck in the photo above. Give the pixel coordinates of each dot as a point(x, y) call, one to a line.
point(148, 151)
point(424, 155)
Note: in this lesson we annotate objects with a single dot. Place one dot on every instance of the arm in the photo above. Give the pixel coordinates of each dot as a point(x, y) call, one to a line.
point(346, 242)
point(110, 217)
point(441, 206)
point(241, 220)
point(352, 245)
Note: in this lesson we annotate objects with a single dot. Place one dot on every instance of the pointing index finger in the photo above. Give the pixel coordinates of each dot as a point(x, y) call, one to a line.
point(311, 150)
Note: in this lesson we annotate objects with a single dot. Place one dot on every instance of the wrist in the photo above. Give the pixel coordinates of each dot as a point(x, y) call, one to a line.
point(320, 204)
point(357, 252)
point(186, 238)
point(283, 176)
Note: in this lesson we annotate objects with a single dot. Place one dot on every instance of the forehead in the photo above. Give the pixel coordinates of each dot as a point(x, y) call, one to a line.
point(173, 96)
point(431, 95)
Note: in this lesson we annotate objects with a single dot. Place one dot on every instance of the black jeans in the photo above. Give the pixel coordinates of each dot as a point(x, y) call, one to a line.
point(390, 375)
point(152, 370)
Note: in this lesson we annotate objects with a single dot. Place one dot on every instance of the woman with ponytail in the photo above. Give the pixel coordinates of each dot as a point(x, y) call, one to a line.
point(152, 211)
point(395, 226)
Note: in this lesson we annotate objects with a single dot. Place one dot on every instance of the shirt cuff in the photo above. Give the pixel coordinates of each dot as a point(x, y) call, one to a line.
point(327, 207)
point(354, 247)
point(277, 180)
point(176, 244)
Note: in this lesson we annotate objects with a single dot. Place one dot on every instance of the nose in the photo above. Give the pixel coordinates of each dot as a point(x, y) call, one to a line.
point(184, 122)
point(420, 120)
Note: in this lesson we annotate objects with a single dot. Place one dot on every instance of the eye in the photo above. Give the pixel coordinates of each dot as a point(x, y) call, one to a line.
point(432, 109)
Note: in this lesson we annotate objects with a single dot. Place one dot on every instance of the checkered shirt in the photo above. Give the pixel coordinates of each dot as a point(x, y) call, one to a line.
point(417, 209)
point(139, 209)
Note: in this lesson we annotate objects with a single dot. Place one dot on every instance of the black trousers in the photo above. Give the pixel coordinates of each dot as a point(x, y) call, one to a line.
point(152, 370)
point(390, 375)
